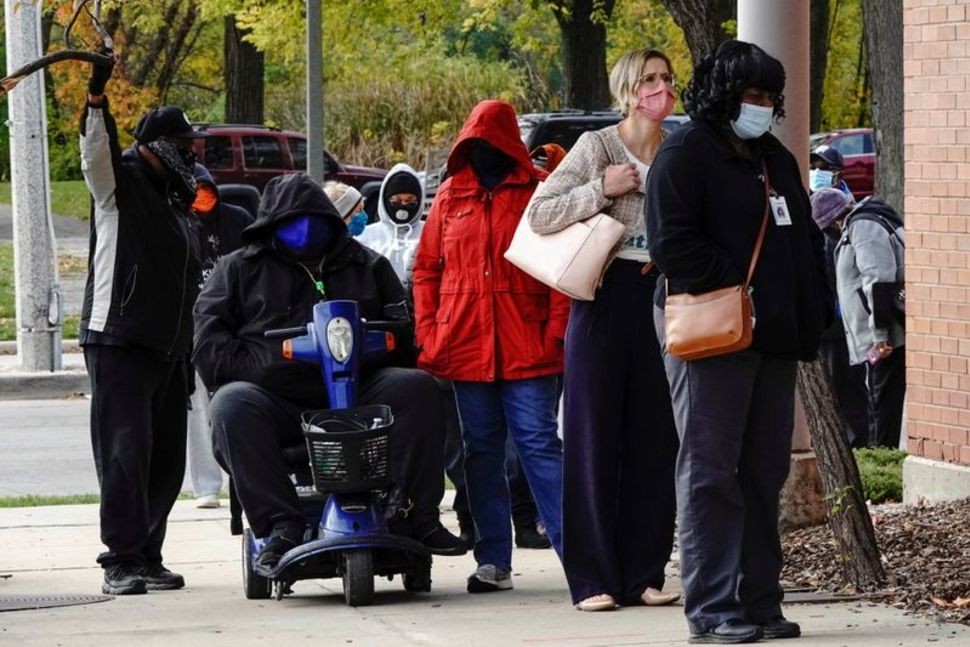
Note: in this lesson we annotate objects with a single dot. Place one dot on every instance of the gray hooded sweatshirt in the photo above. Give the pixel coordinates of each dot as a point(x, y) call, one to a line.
point(867, 253)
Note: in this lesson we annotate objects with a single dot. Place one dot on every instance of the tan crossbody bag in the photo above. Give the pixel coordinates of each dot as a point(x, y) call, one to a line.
point(716, 322)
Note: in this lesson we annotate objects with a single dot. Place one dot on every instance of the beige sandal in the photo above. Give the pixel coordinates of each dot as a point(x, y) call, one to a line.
point(602, 602)
point(654, 598)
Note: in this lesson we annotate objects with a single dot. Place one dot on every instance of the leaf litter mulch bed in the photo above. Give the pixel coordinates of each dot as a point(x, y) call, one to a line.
point(925, 551)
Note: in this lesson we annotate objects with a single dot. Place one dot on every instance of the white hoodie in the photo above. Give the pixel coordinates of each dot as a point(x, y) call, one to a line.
point(397, 241)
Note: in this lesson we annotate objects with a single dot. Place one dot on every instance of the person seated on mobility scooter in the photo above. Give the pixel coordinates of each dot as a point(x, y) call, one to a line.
point(299, 252)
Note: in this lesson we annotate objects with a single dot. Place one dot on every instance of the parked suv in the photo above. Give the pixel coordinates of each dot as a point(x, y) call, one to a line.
point(858, 153)
point(248, 154)
point(563, 128)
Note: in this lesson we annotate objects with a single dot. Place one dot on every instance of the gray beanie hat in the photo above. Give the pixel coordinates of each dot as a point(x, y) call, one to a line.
point(827, 205)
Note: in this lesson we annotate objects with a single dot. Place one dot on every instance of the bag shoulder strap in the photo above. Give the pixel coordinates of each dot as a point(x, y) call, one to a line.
point(764, 228)
point(874, 217)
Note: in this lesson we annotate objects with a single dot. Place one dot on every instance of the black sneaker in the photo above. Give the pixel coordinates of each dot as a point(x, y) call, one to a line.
point(271, 554)
point(780, 627)
point(439, 541)
point(159, 578)
point(489, 578)
point(123, 579)
point(530, 537)
point(728, 633)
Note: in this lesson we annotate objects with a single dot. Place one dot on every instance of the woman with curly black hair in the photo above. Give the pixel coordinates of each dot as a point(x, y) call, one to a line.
point(713, 184)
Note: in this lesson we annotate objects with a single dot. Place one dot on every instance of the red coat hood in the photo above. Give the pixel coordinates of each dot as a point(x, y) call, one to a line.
point(494, 122)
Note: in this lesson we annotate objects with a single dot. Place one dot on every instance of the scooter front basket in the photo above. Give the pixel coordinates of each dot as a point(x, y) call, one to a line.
point(348, 448)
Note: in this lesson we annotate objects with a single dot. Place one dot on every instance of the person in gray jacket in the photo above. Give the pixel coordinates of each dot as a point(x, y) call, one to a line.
point(869, 278)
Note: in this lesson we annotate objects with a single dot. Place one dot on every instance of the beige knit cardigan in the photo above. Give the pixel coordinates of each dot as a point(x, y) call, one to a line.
point(574, 191)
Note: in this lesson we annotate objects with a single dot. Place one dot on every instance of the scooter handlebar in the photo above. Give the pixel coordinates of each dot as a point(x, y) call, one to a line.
point(386, 325)
point(283, 333)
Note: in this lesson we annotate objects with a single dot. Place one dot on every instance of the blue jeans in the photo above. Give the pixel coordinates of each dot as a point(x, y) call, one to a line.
point(527, 409)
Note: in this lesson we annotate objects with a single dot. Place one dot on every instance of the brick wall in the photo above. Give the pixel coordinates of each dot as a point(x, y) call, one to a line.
point(936, 70)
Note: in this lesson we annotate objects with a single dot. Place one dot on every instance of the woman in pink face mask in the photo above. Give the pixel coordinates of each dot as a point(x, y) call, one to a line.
point(619, 438)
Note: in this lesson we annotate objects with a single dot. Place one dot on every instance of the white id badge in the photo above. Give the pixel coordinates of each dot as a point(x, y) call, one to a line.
point(779, 209)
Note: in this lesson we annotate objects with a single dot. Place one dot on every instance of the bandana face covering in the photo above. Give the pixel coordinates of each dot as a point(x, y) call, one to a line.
point(180, 174)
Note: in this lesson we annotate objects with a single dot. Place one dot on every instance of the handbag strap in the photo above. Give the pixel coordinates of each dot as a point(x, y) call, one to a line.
point(764, 227)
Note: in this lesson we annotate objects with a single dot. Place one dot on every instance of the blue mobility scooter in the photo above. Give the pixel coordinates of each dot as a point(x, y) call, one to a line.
point(346, 451)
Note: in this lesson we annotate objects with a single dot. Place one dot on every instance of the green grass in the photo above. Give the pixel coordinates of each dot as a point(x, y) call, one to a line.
point(8, 317)
point(881, 471)
point(68, 198)
point(8, 323)
point(34, 500)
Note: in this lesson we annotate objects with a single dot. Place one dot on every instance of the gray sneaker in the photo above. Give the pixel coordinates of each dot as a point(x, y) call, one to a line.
point(488, 578)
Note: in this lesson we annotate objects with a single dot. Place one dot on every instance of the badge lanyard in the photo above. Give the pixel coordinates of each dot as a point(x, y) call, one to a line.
point(317, 283)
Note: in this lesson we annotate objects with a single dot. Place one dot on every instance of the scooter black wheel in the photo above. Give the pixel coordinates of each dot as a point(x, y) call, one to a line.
point(358, 577)
point(256, 587)
point(418, 578)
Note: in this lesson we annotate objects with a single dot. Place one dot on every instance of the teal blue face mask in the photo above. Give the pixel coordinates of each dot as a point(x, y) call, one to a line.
point(753, 121)
point(357, 223)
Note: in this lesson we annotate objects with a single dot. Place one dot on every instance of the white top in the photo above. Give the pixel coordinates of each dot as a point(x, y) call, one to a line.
point(635, 247)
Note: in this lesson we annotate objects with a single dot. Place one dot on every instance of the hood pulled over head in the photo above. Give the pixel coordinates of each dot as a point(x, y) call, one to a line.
point(490, 143)
point(401, 196)
point(290, 196)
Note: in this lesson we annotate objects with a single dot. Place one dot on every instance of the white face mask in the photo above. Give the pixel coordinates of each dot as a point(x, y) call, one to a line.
point(753, 121)
point(819, 179)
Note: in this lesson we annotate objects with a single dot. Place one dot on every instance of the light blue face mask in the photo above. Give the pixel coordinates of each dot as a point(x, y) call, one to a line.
point(819, 179)
point(753, 121)
point(357, 223)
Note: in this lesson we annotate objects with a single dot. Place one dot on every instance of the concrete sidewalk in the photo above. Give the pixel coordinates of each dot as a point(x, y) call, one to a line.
point(51, 550)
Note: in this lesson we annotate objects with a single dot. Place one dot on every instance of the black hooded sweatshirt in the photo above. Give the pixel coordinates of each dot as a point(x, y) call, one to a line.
point(220, 231)
point(259, 287)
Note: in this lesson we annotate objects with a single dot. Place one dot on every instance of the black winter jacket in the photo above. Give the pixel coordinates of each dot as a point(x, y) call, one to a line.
point(143, 265)
point(219, 232)
point(259, 288)
point(704, 209)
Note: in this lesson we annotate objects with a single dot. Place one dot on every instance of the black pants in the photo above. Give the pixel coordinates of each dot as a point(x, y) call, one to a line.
point(887, 390)
point(849, 386)
point(455, 456)
point(735, 417)
point(138, 416)
point(619, 443)
point(251, 425)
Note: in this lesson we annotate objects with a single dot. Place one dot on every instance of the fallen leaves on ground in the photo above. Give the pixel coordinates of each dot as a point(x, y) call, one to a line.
point(925, 551)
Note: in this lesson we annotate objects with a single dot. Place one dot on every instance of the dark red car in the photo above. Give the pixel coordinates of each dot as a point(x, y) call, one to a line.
point(247, 154)
point(859, 154)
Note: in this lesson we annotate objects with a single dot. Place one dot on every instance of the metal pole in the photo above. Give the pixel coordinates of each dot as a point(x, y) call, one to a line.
point(314, 89)
point(38, 297)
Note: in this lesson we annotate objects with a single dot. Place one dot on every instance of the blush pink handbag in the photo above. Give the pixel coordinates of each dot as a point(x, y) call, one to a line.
point(572, 260)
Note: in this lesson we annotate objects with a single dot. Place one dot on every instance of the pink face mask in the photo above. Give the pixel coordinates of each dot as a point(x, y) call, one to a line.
point(656, 103)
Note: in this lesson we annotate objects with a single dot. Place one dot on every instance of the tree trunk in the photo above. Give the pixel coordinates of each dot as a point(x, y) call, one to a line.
point(848, 516)
point(820, 36)
point(582, 24)
point(884, 43)
point(175, 51)
point(243, 70)
point(702, 22)
point(158, 43)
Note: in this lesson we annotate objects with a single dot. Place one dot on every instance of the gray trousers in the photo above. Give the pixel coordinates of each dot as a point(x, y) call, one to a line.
point(735, 416)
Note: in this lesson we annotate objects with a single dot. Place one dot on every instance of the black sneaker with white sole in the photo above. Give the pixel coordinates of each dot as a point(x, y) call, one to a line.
point(124, 578)
point(159, 578)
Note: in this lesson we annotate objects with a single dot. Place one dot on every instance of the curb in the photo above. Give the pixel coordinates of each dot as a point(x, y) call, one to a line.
point(43, 385)
point(67, 346)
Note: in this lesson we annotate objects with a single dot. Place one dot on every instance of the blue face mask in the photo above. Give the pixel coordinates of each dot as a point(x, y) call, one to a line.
point(357, 223)
point(753, 121)
point(306, 236)
point(819, 179)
